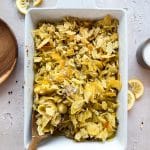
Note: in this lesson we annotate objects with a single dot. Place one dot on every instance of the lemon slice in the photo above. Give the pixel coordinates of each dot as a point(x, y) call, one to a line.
point(37, 2)
point(131, 99)
point(22, 6)
point(136, 87)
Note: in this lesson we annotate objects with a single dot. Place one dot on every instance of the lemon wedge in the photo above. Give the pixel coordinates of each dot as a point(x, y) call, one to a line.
point(131, 99)
point(136, 87)
point(37, 2)
point(22, 6)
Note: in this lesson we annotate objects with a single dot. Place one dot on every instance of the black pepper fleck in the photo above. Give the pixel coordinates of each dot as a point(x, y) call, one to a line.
point(22, 87)
point(27, 52)
point(8, 102)
point(10, 92)
point(16, 81)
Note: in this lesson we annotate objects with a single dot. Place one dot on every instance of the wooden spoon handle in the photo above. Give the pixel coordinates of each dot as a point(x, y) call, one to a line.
point(34, 143)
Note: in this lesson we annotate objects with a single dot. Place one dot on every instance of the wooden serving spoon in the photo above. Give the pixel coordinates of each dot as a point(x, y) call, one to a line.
point(8, 51)
point(36, 139)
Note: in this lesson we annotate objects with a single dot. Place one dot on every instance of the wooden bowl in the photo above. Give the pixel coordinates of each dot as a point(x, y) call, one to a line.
point(8, 51)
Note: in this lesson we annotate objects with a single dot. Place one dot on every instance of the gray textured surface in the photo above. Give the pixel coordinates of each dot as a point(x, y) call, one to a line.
point(11, 106)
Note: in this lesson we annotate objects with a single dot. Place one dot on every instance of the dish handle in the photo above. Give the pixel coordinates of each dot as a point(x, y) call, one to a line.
point(76, 4)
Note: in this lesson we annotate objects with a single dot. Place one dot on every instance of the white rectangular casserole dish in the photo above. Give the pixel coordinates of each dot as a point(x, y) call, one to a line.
point(35, 15)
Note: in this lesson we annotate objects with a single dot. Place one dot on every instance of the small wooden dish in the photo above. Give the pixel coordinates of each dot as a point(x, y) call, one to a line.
point(8, 51)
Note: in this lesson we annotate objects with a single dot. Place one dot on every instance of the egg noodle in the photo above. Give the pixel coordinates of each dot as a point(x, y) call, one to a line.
point(76, 81)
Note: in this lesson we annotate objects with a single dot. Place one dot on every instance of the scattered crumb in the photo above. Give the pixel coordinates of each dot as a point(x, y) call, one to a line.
point(6, 120)
point(22, 87)
point(134, 1)
point(134, 144)
point(126, 8)
point(6, 116)
point(141, 125)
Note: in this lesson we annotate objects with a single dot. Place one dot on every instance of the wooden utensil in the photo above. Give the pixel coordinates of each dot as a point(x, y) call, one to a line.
point(36, 139)
point(8, 51)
